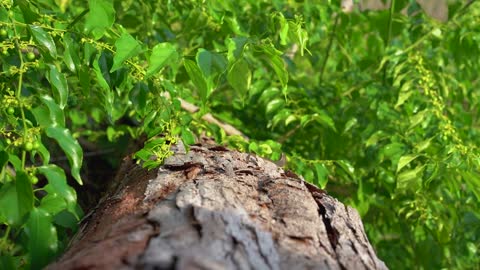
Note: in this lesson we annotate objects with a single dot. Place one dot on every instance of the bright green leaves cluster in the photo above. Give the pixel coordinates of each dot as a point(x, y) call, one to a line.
point(100, 17)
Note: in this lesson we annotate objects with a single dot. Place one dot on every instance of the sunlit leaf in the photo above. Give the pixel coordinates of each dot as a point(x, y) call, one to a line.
point(321, 175)
point(126, 47)
point(274, 105)
point(60, 85)
point(325, 120)
point(44, 39)
point(235, 47)
point(410, 179)
point(70, 55)
point(351, 123)
point(290, 119)
point(53, 116)
point(70, 147)
point(347, 167)
point(57, 184)
point(162, 54)
point(100, 17)
point(405, 160)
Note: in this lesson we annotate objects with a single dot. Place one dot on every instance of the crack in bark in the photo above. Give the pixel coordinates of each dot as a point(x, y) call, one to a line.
point(331, 232)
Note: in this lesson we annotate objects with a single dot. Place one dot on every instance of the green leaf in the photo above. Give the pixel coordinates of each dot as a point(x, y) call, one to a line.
point(405, 160)
point(309, 175)
point(253, 147)
point(418, 118)
point(43, 152)
point(44, 39)
point(7, 262)
point(107, 95)
point(205, 62)
point(351, 123)
point(9, 213)
point(305, 119)
point(99, 74)
point(70, 55)
point(100, 17)
point(298, 34)
point(195, 75)
point(393, 151)
point(42, 115)
point(210, 64)
point(410, 179)
point(269, 94)
point(15, 161)
point(67, 220)
point(42, 238)
point(235, 47)
point(283, 29)
point(55, 116)
point(375, 137)
point(347, 167)
point(276, 62)
point(472, 180)
point(187, 136)
point(290, 119)
point(57, 184)
point(162, 54)
point(3, 159)
point(402, 97)
point(325, 120)
point(29, 15)
point(240, 77)
point(24, 194)
point(60, 85)
point(126, 47)
point(53, 203)
point(70, 147)
point(274, 105)
point(322, 175)
point(423, 144)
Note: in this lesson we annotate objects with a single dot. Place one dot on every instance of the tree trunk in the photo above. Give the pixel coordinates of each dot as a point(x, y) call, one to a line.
point(212, 208)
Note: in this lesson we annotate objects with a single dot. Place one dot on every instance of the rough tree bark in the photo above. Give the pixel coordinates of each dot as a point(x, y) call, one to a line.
point(212, 208)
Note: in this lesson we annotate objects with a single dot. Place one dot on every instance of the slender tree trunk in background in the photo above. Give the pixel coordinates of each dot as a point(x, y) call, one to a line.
point(213, 208)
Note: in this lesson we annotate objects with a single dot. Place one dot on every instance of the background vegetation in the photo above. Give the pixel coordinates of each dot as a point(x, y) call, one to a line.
point(381, 108)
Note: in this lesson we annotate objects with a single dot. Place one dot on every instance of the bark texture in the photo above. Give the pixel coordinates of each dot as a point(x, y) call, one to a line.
point(212, 208)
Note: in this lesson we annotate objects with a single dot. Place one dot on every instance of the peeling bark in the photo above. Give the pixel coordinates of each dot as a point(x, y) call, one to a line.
point(212, 208)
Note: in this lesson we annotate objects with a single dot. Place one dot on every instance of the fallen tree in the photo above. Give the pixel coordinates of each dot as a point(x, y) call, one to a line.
point(213, 208)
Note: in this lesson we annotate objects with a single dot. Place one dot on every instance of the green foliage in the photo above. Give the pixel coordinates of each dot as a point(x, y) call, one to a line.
point(378, 107)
